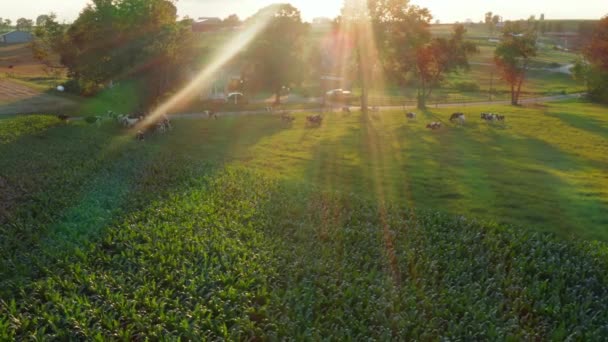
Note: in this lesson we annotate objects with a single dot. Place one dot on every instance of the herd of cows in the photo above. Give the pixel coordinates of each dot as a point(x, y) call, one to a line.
point(162, 124)
point(460, 118)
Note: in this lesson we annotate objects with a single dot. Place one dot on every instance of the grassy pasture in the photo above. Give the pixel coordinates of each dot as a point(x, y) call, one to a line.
point(364, 227)
point(26, 69)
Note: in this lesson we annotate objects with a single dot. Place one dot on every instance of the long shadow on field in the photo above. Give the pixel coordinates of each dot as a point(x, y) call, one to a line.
point(76, 180)
point(523, 175)
point(495, 176)
point(582, 122)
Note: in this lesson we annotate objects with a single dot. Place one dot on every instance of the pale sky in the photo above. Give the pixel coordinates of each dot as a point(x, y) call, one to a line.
point(444, 10)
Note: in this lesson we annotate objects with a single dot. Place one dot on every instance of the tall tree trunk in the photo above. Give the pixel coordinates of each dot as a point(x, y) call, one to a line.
point(513, 99)
point(363, 79)
point(421, 101)
point(521, 81)
point(277, 97)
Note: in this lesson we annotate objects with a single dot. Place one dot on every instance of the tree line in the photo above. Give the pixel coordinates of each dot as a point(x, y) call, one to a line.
point(144, 40)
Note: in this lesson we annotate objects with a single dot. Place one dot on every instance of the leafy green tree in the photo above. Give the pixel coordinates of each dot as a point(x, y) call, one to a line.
point(408, 51)
point(127, 39)
point(275, 56)
point(49, 42)
point(489, 23)
point(386, 35)
point(354, 25)
point(593, 69)
point(41, 19)
point(440, 57)
point(24, 24)
point(513, 56)
point(496, 19)
point(232, 20)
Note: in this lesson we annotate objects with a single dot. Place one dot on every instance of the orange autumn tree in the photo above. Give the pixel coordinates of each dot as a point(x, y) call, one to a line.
point(593, 69)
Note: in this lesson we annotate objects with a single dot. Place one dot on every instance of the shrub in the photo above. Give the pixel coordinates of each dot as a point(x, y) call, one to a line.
point(90, 119)
point(467, 86)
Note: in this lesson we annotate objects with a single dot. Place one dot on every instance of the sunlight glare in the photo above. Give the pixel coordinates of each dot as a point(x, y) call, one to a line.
point(205, 77)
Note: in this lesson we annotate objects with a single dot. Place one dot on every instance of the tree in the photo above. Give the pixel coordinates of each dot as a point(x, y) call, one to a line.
point(275, 56)
point(594, 68)
point(513, 55)
point(543, 25)
point(232, 20)
point(401, 29)
point(355, 25)
point(440, 57)
point(24, 24)
point(496, 19)
point(489, 23)
point(41, 19)
point(410, 54)
point(533, 23)
point(48, 42)
point(127, 39)
point(585, 32)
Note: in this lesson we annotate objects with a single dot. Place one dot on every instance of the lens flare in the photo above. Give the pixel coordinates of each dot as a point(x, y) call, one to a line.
point(204, 78)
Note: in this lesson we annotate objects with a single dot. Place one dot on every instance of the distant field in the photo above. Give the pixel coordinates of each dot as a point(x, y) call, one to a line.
point(26, 68)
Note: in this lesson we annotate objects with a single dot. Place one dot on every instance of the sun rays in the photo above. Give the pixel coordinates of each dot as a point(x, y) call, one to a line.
point(206, 76)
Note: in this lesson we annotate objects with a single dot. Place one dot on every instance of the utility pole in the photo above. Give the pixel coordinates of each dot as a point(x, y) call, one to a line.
point(491, 84)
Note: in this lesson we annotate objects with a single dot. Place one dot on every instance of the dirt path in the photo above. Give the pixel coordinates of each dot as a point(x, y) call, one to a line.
point(16, 98)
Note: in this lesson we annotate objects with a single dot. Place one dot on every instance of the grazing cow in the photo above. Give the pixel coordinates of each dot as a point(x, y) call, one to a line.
point(314, 119)
point(160, 128)
point(131, 122)
point(286, 117)
point(167, 122)
point(126, 121)
point(63, 117)
point(10, 66)
point(210, 114)
point(492, 117)
point(459, 117)
point(140, 135)
point(434, 125)
point(410, 115)
point(163, 125)
point(346, 110)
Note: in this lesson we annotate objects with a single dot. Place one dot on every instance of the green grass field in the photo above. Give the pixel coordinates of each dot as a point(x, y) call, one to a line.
point(244, 228)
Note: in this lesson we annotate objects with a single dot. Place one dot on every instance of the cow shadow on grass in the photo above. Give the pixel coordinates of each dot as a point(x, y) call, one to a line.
point(75, 180)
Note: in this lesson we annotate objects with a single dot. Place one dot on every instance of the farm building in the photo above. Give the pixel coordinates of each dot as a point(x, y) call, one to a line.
point(16, 37)
point(207, 25)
